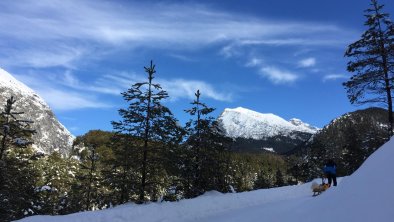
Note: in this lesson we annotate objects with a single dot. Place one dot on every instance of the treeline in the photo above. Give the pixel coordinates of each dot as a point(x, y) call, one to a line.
point(149, 156)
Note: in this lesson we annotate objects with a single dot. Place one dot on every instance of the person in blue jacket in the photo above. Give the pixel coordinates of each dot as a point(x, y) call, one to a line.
point(330, 170)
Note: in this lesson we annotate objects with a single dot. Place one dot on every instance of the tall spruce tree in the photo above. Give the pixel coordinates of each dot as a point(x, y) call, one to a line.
point(153, 129)
point(17, 178)
point(207, 159)
point(372, 58)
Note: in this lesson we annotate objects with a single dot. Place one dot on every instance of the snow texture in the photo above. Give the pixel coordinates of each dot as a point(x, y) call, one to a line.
point(365, 196)
point(245, 123)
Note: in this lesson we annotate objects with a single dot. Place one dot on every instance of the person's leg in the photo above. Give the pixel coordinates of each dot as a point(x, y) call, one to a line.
point(329, 177)
point(334, 178)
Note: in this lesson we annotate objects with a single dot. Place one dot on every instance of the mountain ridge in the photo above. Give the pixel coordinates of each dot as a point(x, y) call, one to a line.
point(256, 131)
point(50, 135)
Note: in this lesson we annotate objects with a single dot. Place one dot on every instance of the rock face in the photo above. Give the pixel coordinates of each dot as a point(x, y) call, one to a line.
point(253, 131)
point(51, 134)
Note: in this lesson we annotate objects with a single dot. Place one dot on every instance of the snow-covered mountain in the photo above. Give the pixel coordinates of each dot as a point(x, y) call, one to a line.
point(254, 130)
point(364, 196)
point(51, 134)
point(245, 123)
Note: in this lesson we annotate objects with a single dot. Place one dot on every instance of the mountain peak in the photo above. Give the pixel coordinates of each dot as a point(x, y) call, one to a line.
point(246, 123)
point(51, 134)
point(9, 81)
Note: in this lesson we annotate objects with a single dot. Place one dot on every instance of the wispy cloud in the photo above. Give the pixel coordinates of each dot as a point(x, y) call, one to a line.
point(253, 62)
point(308, 62)
point(60, 98)
point(65, 91)
point(278, 76)
point(61, 33)
point(334, 77)
point(64, 100)
point(176, 88)
point(180, 88)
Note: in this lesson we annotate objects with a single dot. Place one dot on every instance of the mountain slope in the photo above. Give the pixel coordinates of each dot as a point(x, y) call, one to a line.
point(348, 139)
point(359, 197)
point(245, 123)
point(51, 134)
point(255, 131)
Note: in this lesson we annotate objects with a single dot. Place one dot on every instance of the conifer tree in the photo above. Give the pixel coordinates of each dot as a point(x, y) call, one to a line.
point(149, 122)
point(207, 151)
point(14, 130)
point(90, 185)
point(123, 176)
point(53, 188)
point(372, 60)
point(279, 178)
point(17, 178)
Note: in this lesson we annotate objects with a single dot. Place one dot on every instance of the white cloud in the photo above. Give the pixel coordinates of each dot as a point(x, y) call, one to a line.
point(253, 62)
point(308, 62)
point(50, 33)
point(180, 88)
point(333, 77)
point(62, 98)
point(278, 76)
point(65, 100)
point(66, 92)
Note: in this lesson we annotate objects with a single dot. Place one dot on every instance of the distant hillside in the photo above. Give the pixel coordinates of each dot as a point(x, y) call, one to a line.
point(348, 139)
point(258, 132)
point(51, 134)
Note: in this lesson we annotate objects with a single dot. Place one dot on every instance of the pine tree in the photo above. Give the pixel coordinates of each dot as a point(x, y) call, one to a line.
point(123, 176)
point(153, 124)
point(207, 160)
point(14, 130)
point(89, 187)
point(279, 178)
point(56, 176)
point(17, 177)
point(18, 195)
point(372, 58)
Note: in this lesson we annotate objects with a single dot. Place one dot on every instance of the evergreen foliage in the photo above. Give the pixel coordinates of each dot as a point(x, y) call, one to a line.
point(54, 184)
point(14, 132)
point(17, 177)
point(349, 140)
point(146, 120)
point(372, 59)
point(207, 152)
point(93, 151)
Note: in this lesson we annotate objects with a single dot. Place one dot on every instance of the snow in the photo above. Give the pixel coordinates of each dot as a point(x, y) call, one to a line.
point(245, 123)
point(366, 195)
point(50, 132)
point(8, 81)
point(269, 149)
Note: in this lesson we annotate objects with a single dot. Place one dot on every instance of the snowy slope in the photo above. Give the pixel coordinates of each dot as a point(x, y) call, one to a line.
point(365, 196)
point(245, 123)
point(51, 134)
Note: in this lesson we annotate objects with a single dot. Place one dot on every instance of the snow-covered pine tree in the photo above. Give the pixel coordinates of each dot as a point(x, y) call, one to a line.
point(53, 188)
point(372, 58)
point(207, 159)
point(152, 129)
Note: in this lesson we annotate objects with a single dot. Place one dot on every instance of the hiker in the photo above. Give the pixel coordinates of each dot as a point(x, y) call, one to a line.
point(330, 170)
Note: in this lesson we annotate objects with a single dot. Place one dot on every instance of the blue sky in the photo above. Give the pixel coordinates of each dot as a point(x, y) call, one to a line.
point(274, 56)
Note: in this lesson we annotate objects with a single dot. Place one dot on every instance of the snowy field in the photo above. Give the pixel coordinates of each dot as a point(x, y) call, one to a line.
point(367, 195)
